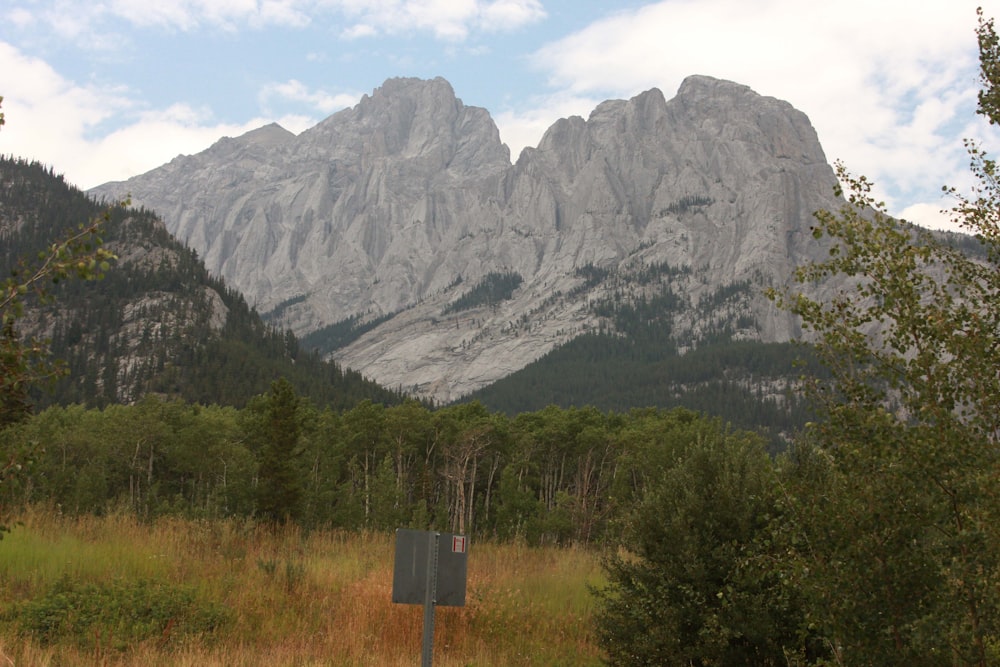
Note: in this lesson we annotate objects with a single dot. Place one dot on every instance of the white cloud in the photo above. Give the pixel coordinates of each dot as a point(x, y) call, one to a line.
point(446, 20)
point(47, 116)
point(56, 121)
point(178, 15)
point(509, 14)
point(227, 14)
point(451, 20)
point(359, 30)
point(931, 216)
point(153, 140)
point(282, 13)
point(91, 21)
point(19, 17)
point(297, 92)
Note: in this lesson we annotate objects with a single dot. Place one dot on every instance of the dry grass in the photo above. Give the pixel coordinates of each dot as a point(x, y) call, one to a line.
point(294, 599)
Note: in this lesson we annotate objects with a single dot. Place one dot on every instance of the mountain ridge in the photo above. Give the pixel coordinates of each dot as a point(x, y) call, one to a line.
point(393, 209)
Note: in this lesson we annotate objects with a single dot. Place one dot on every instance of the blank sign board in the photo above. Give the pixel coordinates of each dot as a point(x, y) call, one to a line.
point(411, 575)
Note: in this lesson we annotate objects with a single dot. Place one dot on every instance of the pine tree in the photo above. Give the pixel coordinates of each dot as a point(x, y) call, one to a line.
point(279, 491)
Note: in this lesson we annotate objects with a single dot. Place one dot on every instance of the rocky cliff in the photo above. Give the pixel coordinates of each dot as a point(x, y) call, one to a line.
point(386, 217)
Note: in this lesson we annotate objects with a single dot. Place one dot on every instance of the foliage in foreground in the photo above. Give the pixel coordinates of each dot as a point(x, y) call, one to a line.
point(893, 496)
point(122, 612)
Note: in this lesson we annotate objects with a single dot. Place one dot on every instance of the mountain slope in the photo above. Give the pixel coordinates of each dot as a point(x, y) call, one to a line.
point(363, 232)
point(158, 322)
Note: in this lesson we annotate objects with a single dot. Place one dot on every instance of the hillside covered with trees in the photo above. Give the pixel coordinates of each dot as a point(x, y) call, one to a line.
point(157, 321)
point(751, 385)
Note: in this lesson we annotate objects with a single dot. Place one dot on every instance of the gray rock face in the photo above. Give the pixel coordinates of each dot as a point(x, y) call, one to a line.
point(398, 206)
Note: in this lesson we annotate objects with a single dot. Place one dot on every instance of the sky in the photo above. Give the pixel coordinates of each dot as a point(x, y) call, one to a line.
point(106, 89)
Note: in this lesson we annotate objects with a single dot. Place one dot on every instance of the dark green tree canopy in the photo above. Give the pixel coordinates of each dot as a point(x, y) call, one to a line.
point(278, 425)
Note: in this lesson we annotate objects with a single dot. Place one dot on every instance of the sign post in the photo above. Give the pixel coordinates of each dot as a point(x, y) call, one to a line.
point(430, 590)
point(430, 569)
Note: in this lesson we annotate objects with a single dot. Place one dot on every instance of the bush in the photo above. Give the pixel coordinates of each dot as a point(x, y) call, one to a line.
point(118, 614)
point(693, 588)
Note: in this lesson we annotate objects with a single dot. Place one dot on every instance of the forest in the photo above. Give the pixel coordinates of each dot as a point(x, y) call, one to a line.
point(555, 476)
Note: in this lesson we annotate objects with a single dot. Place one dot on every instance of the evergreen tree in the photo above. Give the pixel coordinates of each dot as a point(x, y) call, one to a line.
point(691, 589)
point(279, 491)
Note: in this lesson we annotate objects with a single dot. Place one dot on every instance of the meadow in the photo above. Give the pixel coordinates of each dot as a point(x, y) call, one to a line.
point(113, 591)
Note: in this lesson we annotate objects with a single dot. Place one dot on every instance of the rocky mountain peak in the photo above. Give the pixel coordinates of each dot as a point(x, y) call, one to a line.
point(734, 113)
point(434, 97)
point(701, 86)
point(415, 120)
point(393, 211)
point(269, 136)
point(260, 141)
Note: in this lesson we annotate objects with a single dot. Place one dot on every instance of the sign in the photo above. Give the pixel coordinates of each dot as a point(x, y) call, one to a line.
point(430, 569)
point(410, 572)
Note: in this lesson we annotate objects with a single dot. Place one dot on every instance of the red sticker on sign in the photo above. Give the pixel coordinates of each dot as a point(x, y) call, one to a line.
point(458, 544)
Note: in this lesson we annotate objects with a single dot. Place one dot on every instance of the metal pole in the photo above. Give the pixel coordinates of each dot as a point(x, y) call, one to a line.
point(430, 595)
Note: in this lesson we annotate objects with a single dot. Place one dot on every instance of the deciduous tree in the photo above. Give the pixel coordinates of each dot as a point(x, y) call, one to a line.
point(895, 492)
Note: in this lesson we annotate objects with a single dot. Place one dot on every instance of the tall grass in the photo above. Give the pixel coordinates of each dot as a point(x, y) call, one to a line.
point(237, 594)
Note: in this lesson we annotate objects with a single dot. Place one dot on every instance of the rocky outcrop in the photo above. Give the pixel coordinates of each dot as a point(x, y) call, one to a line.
point(397, 207)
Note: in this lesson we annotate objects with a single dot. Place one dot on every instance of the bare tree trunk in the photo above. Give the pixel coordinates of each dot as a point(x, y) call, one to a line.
point(489, 487)
point(472, 492)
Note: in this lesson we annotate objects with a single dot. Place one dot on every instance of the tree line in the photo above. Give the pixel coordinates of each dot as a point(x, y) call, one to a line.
point(554, 476)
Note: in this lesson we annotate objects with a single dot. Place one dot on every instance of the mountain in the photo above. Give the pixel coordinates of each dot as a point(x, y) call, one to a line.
point(398, 237)
point(158, 322)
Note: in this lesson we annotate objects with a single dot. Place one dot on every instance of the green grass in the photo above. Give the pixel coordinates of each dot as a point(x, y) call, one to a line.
point(32, 555)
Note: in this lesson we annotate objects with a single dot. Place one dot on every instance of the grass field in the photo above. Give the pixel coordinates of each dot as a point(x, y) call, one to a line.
point(114, 591)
